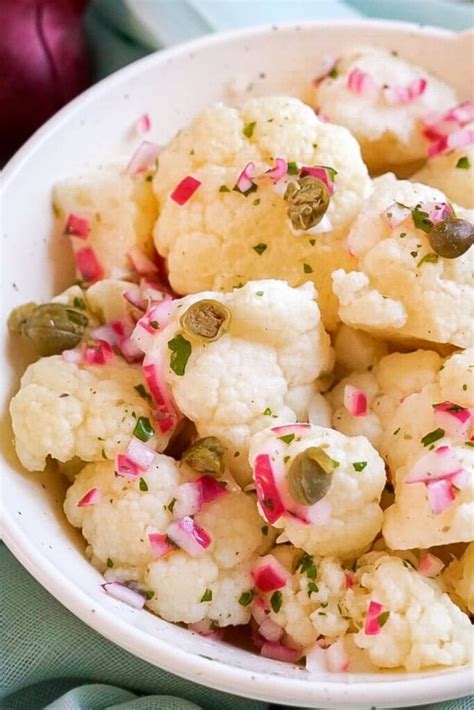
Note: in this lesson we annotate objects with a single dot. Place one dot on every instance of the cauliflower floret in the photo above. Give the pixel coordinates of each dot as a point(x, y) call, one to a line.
point(356, 350)
point(65, 410)
point(121, 210)
point(401, 288)
point(234, 386)
point(420, 626)
point(459, 578)
point(221, 238)
point(348, 516)
point(453, 173)
point(105, 300)
point(390, 134)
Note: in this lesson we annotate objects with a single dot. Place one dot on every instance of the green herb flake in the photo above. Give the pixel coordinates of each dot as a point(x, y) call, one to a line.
point(264, 529)
point(383, 618)
point(109, 563)
point(224, 188)
point(432, 436)
point(140, 389)
point(143, 429)
point(463, 163)
point(154, 324)
point(464, 388)
point(259, 293)
point(104, 455)
point(430, 258)
point(256, 202)
point(397, 431)
point(312, 588)
point(307, 269)
point(171, 505)
point(276, 601)
point(359, 465)
point(414, 254)
point(333, 74)
point(207, 596)
point(408, 564)
point(268, 412)
point(286, 459)
point(79, 303)
point(180, 353)
point(287, 438)
point(420, 219)
point(149, 178)
point(312, 242)
point(237, 453)
point(247, 597)
point(306, 565)
point(249, 129)
point(143, 485)
point(469, 443)
point(259, 248)
point(402, 235)
point(292, 168)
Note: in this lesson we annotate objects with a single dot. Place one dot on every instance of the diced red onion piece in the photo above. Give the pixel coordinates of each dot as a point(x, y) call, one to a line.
point(319, 513)
point(126, 468)
point(319, 172)
point(455, 422)
point(261, 609)
point(337, 660)
point(210, 488)
point(270, 630)
point(141, 263)
point(327, 66)
point(139, 454)
point(396, 214)
point(99, 354)
point(350, 578)
point(295, 429)
point(120, 591)
point(160, 545)
point(440, 495)
point(269, 574)
point(189, 536)
point(143, 124)
point(458, 139)
point(244, 181)
point(188, 499)
point(77, 226)
point(372, 624)
point(430, 566)
point(279, 652)
point(185, 190)
point(88, 265)
point(266, 488)
point(278, 171)
point(204, 628)
point(355, 401)
point(91, 497)
point(440, 464)
point(436, 211)
point(74, 355)
point(129, 349)
point(361, 83)
point(397, 95)
point(134, 297)
point(144, 158)
point(105, 333)
point(167, 414)
point(316, 660)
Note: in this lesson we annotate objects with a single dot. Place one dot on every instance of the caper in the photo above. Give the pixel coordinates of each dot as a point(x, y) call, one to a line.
point(50, 327)
point(308, 200)
point(451, 237)
point(207, 320)
point(206, 455)
point(310, 475)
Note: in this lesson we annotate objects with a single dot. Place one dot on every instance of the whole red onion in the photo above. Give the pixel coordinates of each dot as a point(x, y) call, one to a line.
point(43, 56)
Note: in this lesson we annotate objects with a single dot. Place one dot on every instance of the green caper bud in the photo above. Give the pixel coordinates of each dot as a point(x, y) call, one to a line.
point(206, 320)
point(451, 237)
point(310, 475)
point(308, 200)
point(206, 455)
point(50, 327)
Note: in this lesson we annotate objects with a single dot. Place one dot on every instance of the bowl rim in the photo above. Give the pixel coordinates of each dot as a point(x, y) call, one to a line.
point(216, 674)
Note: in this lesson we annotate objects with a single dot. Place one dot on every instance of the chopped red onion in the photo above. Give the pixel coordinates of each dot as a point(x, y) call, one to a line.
point(74, 356)
point(396, 214)
point(244, 181)
point(296, 429)
point(106, 334)
point(321, 173)
point(205, 628)
point(337, 660)
point(167, 414)
point(120, 591)
point(440, 495)
point(134, 296)
point(269, 575)
point(361, 83)
point(77, 226)
point(126, 468)
point(88, 265)
point(144, 158)
point(129, 349)
point(355, 401)
point(143, 125)
point(458, 139)
point(210, 488)
point(141, 263)
point(270, 630)
point(429, 565)
point(139, 454)
point(91, 497)
point(319, 513)
point(436, 211)
point(397, 95)
point(185, 190)
point(261, 609)
point(189, 536)
point(160, 545)
point(278, 171)
point(456, 421)
point(279, 652)
point(372, 620)
point(316, 659)
point(266, 488)
point(441, 463)
point(188, 499)
point(98, 354)
point(350, 578)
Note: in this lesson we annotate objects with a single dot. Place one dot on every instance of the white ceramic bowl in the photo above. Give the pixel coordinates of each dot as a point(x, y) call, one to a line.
point(95, 128)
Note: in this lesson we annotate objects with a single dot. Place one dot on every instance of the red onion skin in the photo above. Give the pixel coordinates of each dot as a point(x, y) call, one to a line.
point(44, 60)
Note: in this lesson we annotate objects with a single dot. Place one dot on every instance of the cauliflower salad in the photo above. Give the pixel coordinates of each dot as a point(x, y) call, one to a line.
point(260, 388)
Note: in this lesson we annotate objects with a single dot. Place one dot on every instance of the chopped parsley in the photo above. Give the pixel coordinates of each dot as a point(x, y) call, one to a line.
point(259, 293)
point(140, 389)
point(469, 443)
point(143, 485)
point(276, 601)
point(224, 188)
point(149, 594)
point(414, 254)
point(359, 465)
point(253, 188)
point(207, 596)
point(463, 163)
point(249, 129)
point(397, 431)
point(287, 438)
point(312, 242)
point(104, 455)
point(292, 168)
point(464, 388)
point(432, 436)
point(333, 74)
point(430, 258)
point(256, 202)
point(306, 565)
point(154, 324)
point(408, 564)
point(143, 429)
point(79, 303)
point(420, 219)
point(246, 597)
point(268, 412)
point(402, 235)
point(264, 529)
point(383, 618)
point(259, 248)
point(180, 353)
point(286, 459)
point(307, 269)
point(109, 562)
point(312, 588)
point(171, 504)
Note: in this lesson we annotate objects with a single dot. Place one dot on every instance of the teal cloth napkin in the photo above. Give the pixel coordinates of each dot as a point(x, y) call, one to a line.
point(48, 658)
